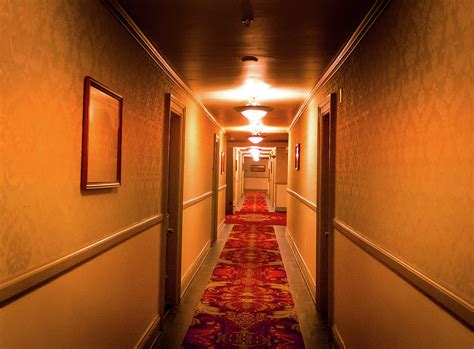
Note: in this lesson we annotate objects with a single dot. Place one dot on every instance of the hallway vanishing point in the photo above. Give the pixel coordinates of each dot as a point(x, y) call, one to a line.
point(236, 174)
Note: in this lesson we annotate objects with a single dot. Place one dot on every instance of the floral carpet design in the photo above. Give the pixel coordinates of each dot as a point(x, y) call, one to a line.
point(247, 302)
point(254, 210)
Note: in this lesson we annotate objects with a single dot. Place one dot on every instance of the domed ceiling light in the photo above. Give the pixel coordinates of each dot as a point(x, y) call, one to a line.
point(256, 138)
point(255, 152)
point(253, 110)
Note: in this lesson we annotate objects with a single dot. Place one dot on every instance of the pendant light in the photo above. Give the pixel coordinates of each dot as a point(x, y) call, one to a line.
point(253, 110)
point(256, 138)
point(255, 152)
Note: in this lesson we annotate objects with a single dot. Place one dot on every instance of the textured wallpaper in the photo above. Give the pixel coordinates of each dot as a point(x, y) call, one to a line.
point(48, 47)
point(404, 153)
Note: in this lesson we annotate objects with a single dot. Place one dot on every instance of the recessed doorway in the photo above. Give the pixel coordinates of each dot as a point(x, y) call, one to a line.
point(173, 155)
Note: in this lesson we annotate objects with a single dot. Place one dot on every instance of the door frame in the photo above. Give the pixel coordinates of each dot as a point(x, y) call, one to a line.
point(171, 283)
point(215, 187)
point(326, 206)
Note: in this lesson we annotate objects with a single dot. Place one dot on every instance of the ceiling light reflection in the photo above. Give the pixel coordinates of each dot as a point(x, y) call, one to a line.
point(254, 88)
point(262, 128)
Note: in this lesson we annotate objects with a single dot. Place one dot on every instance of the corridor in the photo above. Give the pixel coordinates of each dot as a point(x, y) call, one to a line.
point(252, 302)
point(236, 174)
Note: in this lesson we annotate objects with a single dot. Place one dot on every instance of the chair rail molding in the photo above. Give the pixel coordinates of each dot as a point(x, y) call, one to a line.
point(197, 199)
point(457, 306)
point(24, 282)
point(302, 199)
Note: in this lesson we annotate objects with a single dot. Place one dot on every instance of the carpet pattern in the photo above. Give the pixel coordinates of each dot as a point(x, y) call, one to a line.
point(255, 211)
point(247, 302)
point(254, 202)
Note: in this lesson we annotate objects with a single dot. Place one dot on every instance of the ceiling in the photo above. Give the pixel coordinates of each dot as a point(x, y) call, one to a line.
point(204, 41)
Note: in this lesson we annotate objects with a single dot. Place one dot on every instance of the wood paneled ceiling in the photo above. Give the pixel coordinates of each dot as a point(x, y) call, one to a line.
point(204, 41)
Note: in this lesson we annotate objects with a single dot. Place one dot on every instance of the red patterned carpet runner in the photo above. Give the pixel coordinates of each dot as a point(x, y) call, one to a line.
point(247, 302)
point(254, 210)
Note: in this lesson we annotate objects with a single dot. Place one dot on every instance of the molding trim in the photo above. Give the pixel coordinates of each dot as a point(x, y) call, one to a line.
point(369, 19)
point(151, 335)
point(280, 209)
point(129, 24)
point(16, 286)
point(220, 228)
point(310, 283)
point(336, 338)
point(186, 280)
point(222, 187)
point(281, 183)
point(459, 307)
point(197, 199)
point(305, 201)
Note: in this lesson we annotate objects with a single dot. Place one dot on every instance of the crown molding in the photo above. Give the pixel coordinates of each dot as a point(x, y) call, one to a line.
point(369, 19)
point(129, 24)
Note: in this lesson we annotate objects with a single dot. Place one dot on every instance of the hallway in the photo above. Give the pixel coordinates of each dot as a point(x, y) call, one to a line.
point(137, 138)
point(313, 327)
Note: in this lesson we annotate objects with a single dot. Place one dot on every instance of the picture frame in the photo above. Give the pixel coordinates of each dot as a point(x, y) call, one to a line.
point(297, 156)
point(222, 162)
point(257, 168)
point(101, 137)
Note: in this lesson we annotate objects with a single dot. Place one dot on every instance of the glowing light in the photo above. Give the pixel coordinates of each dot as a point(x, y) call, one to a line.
point(255, 152)
point(260, 128)
point(256, 88)
point(255, 139)
point(253, 110)
point(254, 114)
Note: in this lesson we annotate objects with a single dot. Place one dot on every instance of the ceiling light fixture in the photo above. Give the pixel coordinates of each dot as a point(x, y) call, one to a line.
point(255, 153)
point(256, 138)
point(253, 110)
point(249, 59)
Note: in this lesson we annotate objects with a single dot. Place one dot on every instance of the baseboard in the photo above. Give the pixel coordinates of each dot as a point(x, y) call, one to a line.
point(186, 280)
point(310, 283)
point(151, 335)
point(336, 339)
point(220, 228)
point(280, 209)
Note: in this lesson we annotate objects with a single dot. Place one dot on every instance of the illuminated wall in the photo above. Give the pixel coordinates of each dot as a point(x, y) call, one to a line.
point(47, 49)
point(403, 176)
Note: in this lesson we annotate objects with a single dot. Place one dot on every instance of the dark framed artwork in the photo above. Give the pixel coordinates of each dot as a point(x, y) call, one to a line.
point(297, 157)
point(222, 162)
point(101, 137)
point(257, 168)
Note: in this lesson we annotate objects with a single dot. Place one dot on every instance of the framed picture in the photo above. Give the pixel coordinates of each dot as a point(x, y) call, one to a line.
point(257, 168)
point(101, 137)
point(297, 157)
point(222, 162)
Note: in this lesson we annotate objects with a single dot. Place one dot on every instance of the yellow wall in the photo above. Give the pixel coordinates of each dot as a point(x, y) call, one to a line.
point(199, 150)
point(221, 213)
point(281, 177)
point(106, 303)
point(403, 171)
point(48, 47)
